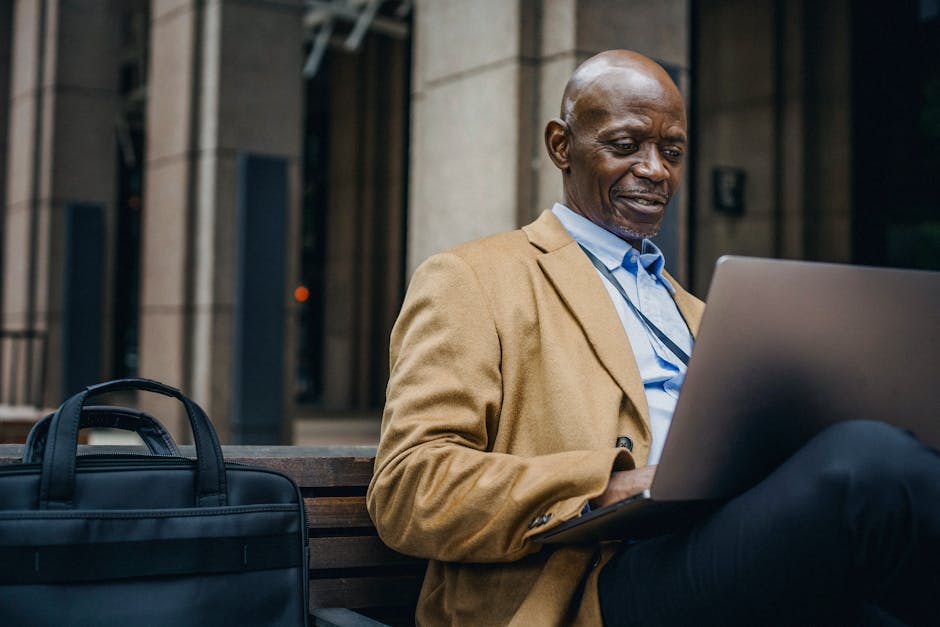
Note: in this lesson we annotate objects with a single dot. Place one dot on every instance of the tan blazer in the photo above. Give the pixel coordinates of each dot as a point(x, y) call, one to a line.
point(512, 378)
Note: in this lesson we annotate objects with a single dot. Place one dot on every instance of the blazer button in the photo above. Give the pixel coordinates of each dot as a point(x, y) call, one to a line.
point(625, 442)
point(538, 521)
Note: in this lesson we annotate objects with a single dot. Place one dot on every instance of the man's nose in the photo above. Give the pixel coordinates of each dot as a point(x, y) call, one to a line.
point(650, 165)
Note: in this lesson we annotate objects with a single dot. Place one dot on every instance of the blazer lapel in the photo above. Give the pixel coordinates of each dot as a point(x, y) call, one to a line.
point(574, 278)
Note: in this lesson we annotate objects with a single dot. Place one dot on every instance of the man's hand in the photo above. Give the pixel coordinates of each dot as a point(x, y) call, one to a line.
point(624, 483)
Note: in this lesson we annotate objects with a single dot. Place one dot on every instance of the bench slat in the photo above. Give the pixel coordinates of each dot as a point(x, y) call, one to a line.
point(355, 552)
point(328, 512)
point(330, 472)
point(361, 592)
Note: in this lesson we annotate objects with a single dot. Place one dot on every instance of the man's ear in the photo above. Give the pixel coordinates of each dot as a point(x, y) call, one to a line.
point(556, 141)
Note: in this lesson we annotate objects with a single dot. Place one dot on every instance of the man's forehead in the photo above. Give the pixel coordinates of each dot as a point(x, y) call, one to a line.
point(612, 78)
point(609, 107)
point(615, 87)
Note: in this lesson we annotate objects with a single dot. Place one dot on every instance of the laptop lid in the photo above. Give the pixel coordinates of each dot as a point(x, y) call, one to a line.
point(788, 347)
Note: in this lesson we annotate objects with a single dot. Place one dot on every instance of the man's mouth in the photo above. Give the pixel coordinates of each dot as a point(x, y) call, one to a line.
point(645, 202)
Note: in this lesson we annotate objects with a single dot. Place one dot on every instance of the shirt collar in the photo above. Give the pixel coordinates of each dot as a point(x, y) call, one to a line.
point(609, 248)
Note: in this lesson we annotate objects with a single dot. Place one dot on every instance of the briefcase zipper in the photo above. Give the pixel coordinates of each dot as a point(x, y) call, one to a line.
point(148, 513)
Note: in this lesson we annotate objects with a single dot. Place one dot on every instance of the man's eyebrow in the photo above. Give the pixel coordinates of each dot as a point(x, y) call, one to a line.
point(632, 126)
point(679, 137)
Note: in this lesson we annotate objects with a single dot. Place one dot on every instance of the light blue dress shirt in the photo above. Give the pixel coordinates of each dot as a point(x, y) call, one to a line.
point(641, 275)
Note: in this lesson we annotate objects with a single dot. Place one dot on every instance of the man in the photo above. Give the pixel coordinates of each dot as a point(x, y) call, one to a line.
point(526, 387)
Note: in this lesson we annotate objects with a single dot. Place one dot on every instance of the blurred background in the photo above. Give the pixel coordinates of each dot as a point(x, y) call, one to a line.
point(230, 195)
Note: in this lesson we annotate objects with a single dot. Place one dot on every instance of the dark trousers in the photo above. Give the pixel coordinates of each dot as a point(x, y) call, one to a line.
point(845, 532)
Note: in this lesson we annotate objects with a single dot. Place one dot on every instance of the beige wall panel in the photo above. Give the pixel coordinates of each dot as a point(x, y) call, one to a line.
point(164, 9)
point(54, 395)
point(170, 94)
point(735, 102)
point(793, 166)
point(25, 31)
point(657, 29)
point(84, 154)
point(559, 18)
point(16, 267)
point(729, 237)
point(260, 79)
point(49, 308)
point(464, 179)
point(829, 149)
point(338, 390)
point(6, 44)
point(219, 243)
point(212, 365)
point(161, 333)
point(458, 36)
point(76, 149)
point(528, 132)
point(164, 228)
point(77, 63)
point(47, 142)
point(741, 138)
point(21, 151)
point(737, 47)
point(50, 262)
point(249, 56)
point(554, 77)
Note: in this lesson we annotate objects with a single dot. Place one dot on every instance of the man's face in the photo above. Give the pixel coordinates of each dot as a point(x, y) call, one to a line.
point(626, 146)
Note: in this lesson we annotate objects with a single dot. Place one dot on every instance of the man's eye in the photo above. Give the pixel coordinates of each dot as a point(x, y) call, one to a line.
point(625, 146)
point(673, 153)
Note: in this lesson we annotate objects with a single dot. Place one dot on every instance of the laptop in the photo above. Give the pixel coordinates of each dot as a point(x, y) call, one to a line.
point(785, 349)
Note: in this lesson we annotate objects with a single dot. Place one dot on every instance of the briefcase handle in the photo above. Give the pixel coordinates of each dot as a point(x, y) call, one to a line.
point(57, 478)
point(154, 436)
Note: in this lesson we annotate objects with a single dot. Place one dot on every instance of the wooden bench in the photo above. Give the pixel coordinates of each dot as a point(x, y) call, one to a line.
point(354, 578)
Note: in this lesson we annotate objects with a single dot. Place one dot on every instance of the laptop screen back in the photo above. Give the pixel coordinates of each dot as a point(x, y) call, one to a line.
point(787, 348)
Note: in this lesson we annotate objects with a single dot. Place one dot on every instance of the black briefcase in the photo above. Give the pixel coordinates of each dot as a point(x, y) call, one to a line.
point(117, 539)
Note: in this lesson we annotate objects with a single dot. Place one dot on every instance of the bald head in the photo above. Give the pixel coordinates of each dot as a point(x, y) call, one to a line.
point(620, 143)
point(638, 72)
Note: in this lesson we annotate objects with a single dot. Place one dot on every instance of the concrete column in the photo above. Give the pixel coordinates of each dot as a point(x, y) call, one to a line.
point(469, 62)
point(487, 77)
point(225, 80)
point(62, 112)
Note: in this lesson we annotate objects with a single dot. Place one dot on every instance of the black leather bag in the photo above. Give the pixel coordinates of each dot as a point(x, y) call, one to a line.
point(117, 539)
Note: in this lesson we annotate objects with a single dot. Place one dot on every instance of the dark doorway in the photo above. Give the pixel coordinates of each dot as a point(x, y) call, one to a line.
point(896, 133)
point(353, 225)
point(131, 144)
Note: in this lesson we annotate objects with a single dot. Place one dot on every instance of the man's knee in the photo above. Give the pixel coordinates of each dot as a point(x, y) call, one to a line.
point(864, 435)
point(864, 457)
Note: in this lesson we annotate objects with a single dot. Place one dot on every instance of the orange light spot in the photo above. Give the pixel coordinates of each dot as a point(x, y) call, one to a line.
point(301, 294)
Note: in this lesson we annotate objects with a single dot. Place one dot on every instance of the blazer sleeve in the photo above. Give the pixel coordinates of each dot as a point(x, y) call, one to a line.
point(437, 491)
